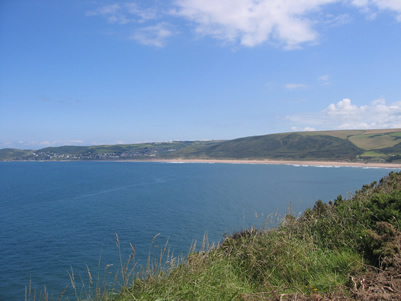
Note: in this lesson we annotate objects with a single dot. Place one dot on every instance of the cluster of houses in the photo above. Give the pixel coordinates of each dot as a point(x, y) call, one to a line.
point(133, 154)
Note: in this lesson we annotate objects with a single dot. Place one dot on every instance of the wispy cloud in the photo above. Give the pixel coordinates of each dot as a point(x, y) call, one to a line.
point(345, 115)
point(143, 14)
point(372, 7)
point(336, 20)
point(124, 13)
point(305, 129)
point(142, 20)
point(293, 86)
point(45, 98)
point(69, 100)
point(324, 79)
point(291, 23)
point(46, 143)
point(153, 35)
point(113, 13)
point(36, 144)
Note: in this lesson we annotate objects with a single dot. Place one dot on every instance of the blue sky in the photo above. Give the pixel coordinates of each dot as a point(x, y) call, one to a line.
point(93, 72)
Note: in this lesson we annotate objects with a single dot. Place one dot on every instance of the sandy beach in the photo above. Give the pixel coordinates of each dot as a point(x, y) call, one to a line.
point(286, 162)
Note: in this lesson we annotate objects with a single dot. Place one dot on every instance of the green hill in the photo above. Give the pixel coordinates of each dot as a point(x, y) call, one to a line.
point(65, 149)
point(344, 145)
point(13, 154)
point(280, 146)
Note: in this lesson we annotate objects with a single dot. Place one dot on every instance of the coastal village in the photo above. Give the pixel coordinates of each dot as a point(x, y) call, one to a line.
point(133, 154)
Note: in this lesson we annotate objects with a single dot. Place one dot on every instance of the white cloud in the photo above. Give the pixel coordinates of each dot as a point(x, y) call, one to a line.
point(306, 129)
point(290, 23)
point(379, 101)
point(295, 86)
point(370, 7)
point(344, 108)
point(360, 3)
point(253, 22)
point(153, 35)
point(345, 115)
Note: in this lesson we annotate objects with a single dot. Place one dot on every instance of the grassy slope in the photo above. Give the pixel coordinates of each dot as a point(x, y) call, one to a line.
point(320, 145)
point(279, 146)
point(375, 141)
point(319, 254)
point(13, 154)
point(348, 249)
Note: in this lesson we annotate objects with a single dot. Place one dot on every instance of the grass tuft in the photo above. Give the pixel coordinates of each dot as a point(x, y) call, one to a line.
point(318, 255)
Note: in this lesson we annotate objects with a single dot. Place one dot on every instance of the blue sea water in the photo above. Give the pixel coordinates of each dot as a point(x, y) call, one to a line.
point(58, 217)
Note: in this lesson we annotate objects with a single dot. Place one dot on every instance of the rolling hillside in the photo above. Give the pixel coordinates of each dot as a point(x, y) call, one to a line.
point(7, 154)
point(279, 146)
point(346, 145)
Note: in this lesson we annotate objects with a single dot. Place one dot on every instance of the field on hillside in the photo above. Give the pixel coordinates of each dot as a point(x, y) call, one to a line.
point(369, 141)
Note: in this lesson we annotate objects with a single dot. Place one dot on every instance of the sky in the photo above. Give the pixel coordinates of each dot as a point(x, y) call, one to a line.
point(90, 72)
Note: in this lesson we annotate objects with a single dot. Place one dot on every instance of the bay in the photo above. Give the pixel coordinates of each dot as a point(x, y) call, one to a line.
point(61, 216)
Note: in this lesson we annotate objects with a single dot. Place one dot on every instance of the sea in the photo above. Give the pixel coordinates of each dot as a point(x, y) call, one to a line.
point(59, 220)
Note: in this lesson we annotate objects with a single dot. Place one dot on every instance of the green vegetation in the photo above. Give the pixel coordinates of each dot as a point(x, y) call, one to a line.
point(374, 141)
point(351, 145)
point(343, 134)
point(279, 146)
point(7, 154)
point(346, 249)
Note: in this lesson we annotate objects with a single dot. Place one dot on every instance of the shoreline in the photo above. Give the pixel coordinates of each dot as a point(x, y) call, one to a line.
point(280, 162)
point(244, 161)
